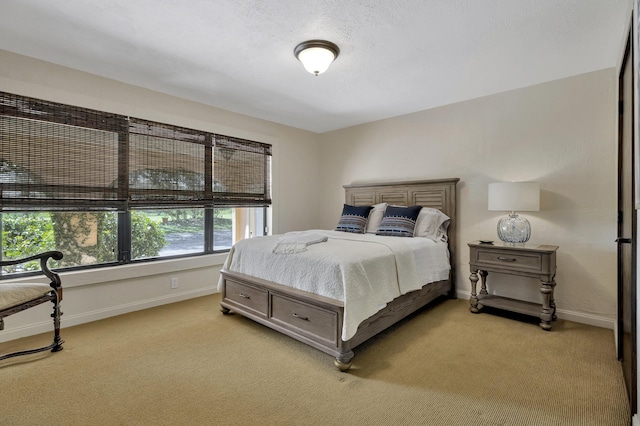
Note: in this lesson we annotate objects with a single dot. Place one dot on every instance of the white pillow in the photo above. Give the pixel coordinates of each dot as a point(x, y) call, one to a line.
point(432, 223)
point(375, 217)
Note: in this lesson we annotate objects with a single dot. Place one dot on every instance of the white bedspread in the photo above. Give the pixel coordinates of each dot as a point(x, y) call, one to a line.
point(364, 271)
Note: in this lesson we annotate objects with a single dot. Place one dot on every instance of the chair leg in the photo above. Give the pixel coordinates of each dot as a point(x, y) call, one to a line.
point(56, 345)
point(56, 314)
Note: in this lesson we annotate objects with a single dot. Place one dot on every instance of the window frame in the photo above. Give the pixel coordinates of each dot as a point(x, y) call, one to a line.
point(257, 194)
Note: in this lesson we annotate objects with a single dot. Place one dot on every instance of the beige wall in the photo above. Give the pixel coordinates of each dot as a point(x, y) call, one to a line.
point(561, 134)
point(95, 294)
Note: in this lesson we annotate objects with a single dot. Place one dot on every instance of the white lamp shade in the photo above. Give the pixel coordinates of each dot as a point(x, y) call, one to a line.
point(316, 60)
point(514, 196)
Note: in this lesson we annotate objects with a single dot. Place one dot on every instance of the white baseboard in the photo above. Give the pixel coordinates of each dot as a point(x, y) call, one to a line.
point(85, 317)
point(588, 319)
point(580, 317)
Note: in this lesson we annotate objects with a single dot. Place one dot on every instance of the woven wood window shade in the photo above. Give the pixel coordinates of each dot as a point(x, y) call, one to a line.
point(241, 172)
point(167, 166)
point(59, 157)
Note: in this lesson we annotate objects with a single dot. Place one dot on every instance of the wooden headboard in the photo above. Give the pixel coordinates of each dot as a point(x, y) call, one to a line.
point(438, 194)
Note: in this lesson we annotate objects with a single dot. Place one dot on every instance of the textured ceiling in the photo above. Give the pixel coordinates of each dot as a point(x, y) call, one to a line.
point(396, 56)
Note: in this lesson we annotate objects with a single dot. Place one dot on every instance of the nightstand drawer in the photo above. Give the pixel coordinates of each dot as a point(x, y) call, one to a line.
point(519, 261)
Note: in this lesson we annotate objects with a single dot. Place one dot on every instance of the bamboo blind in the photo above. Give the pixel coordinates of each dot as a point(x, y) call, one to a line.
point(59, 157)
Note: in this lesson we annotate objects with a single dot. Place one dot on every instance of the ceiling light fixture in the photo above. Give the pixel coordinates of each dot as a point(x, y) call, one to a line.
point(316, 55)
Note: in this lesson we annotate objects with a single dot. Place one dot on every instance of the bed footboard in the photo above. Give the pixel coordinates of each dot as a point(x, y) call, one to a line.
point(312, 319)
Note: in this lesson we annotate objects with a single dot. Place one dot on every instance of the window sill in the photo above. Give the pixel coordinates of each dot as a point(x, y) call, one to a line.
point(136, 270)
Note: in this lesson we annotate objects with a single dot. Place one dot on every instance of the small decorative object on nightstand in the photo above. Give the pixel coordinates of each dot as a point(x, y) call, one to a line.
point(536, 261)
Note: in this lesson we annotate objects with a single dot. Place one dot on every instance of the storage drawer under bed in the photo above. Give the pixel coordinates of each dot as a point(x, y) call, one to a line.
point(252, 298)
point(314, 322)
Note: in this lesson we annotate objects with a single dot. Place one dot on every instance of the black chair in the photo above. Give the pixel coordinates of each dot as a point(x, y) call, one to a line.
point(16, 297)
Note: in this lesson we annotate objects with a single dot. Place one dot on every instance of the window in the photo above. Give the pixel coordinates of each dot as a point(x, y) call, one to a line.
point(109, 189)
point(166, 232)
point(86, 238)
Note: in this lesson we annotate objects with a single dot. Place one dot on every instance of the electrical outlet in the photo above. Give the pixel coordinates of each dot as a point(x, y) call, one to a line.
point(174, 282)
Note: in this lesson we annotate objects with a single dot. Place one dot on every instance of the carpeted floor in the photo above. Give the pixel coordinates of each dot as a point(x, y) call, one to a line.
point(187, 364)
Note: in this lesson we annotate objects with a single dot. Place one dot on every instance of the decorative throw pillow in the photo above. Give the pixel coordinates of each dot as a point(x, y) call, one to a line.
point(375, 217)
point(354, 219)
point(432, 223)
point(399, 221)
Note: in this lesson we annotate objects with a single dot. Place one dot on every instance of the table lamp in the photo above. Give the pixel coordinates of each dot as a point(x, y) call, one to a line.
point(514, 196)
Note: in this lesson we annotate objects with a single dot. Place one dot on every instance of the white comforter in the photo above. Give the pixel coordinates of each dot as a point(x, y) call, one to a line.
point(364, 271)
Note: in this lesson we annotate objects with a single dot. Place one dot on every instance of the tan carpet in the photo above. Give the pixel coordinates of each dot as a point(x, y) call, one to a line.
point(187, 364)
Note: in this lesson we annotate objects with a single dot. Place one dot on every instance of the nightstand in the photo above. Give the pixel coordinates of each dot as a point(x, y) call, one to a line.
point(535, 261)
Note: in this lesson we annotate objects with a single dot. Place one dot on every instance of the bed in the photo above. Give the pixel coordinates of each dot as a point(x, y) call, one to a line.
point(329, 320)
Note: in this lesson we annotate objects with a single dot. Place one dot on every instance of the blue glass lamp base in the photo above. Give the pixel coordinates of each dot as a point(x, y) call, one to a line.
point(514, 229)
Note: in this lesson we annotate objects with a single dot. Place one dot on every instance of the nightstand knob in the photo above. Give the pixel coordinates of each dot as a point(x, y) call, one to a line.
point(507, 259)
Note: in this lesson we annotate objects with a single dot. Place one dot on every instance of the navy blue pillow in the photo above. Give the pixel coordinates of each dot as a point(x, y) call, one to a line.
point(399, 221)
point(354, 219)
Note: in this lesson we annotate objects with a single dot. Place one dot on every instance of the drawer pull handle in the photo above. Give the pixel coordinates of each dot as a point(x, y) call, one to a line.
point(300, 317)
point(507, 259)
point(244, 296)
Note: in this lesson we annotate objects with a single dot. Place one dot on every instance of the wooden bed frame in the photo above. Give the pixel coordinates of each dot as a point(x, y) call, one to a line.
point(317, 320)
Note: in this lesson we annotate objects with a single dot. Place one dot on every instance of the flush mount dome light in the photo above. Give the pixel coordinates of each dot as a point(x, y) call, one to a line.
point(316, 55)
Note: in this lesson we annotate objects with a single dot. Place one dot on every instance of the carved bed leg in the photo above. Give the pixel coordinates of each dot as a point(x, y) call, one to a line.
point(225, 311)
point(343, 362)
